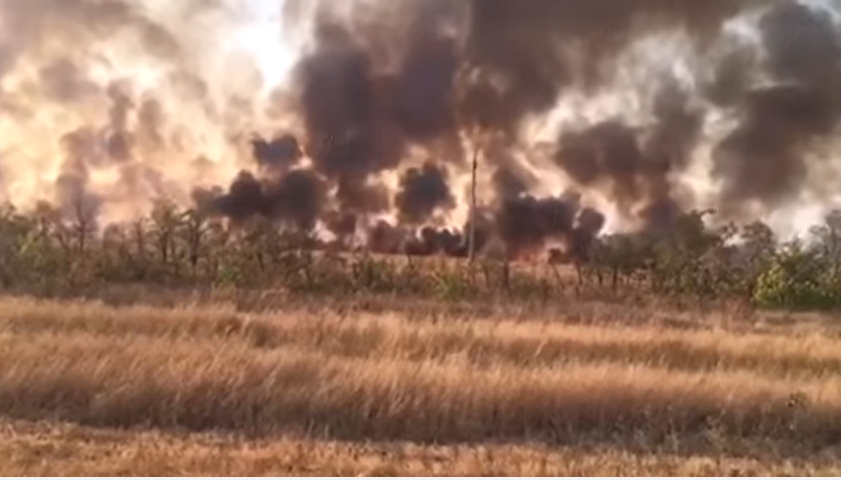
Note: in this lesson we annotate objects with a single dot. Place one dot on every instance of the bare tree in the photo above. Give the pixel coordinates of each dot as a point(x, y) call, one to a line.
point(83, 222)
point(473, 201)
point(165, 224)
point(196, 229)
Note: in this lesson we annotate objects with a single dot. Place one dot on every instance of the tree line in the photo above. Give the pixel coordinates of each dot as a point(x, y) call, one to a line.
point(49, 248)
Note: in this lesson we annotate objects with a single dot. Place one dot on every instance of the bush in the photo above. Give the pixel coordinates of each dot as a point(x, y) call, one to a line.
point(452, 284)
point(797, 279)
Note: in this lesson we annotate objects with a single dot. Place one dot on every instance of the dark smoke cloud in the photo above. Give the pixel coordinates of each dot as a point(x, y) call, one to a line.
point(732, 77)
point(280, 153)
point(633, 164)
point(520, 50)
point(607, 152)
point(425, 85)
point(356, 195)
point(526, 223)
point(517, 48)
point(368, 92)
point(296, 199)
point(510, 182)
point(380, 83)
point(347, 135)
point(243, 200)
point(660, 215)
point(677, 130)
point(423, 191)
point(668, 150)
point(361, 118)
point(432, 241)
point(386, 238)
point(802, 44)
point(763, 158)
point(510, 177)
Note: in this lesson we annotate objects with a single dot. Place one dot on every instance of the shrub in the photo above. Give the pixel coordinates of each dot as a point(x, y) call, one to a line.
point(797, 279)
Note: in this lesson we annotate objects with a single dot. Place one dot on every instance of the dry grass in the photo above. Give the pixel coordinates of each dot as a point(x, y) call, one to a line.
point(503, 395)
point(51, 449)
point(388, 336)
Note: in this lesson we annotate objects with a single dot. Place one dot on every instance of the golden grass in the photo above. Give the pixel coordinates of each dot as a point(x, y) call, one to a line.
point(523, 343)
point(642, 399)
point(55, 449)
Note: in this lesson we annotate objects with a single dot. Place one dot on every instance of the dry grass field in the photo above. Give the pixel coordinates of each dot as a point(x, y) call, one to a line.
point(207, 388)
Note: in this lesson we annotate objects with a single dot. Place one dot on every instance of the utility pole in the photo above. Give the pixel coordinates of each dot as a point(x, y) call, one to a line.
point(472, 240)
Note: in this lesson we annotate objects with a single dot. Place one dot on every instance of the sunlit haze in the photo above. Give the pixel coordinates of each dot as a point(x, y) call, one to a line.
point(262, 36)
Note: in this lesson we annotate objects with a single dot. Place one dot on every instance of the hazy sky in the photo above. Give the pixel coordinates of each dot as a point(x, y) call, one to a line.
point(263, 37)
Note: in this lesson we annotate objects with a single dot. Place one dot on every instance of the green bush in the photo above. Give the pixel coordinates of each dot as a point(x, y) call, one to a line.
point(797, 279)
point(229, 276)
point(452, 284)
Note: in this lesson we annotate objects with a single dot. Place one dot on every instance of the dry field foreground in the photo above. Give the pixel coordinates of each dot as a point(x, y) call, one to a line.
point(92, 389)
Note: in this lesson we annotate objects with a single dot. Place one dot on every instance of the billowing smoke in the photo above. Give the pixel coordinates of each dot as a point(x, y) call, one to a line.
point(634, 165)
point(527, 52)
point(607, 152)
point(280, 153)
point(586, 116)
point(423, 192)
point(527, 225)
point(764, 157)
point(297, 199)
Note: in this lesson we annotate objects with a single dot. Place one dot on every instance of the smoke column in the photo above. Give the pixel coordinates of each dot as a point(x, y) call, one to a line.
point(357, 119)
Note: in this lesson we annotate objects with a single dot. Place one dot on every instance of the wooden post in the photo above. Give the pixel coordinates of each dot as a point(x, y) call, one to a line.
point(472, 239)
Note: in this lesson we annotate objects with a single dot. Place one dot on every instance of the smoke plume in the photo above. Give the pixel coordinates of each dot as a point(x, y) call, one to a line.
point(764, 157)
point(584, 116)
point(422, 192)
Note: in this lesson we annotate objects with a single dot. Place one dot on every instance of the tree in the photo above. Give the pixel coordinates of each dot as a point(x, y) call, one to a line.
point(829, 241)
point(14, 229)
point(165, 224)
point(83, 222)
point(796, 278)
point(621, 256)
point(196, 229)
point(759, 245)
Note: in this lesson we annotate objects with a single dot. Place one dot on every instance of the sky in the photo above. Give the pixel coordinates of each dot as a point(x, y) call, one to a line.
point(263, 37)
